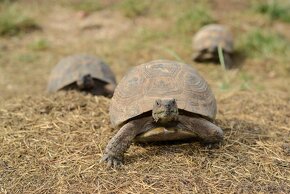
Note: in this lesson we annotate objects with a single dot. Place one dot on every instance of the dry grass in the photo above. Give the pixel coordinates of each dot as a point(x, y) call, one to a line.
point(53, 144)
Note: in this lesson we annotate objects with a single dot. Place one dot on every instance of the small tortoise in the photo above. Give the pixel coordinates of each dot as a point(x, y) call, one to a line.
point(159, 101)
point(207, 40)
point(83, 73)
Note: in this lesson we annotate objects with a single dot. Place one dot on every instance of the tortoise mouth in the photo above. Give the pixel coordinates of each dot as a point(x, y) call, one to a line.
point(165, 116)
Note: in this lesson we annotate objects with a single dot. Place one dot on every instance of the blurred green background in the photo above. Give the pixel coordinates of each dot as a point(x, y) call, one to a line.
point(36, 34)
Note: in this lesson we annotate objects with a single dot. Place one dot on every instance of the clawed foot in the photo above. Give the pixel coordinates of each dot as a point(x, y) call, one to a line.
point(211, 145)
point(112, 161)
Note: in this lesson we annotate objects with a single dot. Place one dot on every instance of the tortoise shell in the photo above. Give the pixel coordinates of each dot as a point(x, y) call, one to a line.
point(71, 68)
point(210, 36)
point(143, 84)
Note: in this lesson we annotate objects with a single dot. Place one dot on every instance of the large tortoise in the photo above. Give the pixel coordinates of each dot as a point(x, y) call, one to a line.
point(206, 42)
point(159, 101)
point(82, 73)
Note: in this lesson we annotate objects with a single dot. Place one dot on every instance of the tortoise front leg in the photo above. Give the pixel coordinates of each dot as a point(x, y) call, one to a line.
point(203, 129)
point(118, 145)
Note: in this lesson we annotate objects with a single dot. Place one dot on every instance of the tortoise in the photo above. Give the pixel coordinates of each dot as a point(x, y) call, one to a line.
point(206, 42)
point(82, 73)
point(161, 100)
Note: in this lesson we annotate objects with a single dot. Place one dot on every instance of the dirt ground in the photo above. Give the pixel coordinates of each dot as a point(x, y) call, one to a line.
point(52, 143)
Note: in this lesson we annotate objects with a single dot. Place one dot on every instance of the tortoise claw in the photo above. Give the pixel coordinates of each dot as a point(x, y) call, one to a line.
point(112, 161)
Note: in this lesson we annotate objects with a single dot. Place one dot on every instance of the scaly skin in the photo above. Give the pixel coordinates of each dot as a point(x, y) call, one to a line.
point(205, 130)
point(164, 112)
point(118, 145)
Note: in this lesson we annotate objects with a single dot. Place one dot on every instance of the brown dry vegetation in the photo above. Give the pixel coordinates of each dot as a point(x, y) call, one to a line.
point(53, 143)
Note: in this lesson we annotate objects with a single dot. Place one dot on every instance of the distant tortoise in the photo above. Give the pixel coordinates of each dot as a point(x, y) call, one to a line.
point(207, 40)
point(82, 73)
point(160, 101)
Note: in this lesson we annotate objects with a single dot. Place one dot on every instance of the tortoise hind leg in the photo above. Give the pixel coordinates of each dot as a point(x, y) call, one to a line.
point(203, 129)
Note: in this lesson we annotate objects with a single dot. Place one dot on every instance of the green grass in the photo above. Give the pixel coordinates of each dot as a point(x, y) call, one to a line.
point(13, 22)
point(262, 43)
point(192, 19)
point(144, 37)
point(246, 80)
point(27, 58)
point(88, 6)
point(7, 1)
point(225, 84)
point(134, 8)
point(39, 45)
point(274, 10)
point(146, 34)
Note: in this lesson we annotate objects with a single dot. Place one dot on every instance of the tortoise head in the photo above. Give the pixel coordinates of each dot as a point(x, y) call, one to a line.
point(165, 110)
point(86, 82)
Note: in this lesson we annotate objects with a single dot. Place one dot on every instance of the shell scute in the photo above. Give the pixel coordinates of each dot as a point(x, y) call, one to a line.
point(69, 69)
point(137, 91)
